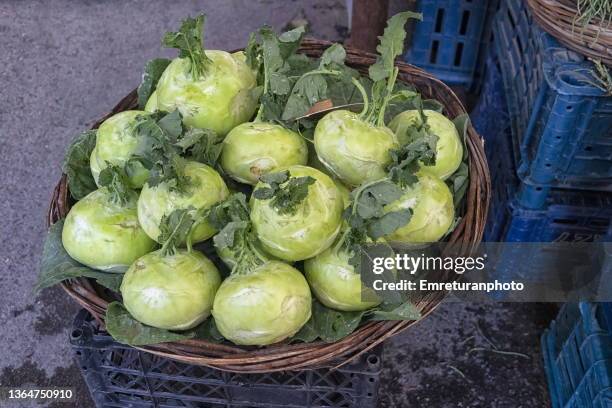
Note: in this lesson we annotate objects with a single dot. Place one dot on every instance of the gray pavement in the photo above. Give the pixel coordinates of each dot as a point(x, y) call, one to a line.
point(64, 63)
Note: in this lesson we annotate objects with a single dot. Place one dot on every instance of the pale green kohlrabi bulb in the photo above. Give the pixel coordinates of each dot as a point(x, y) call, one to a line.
point(223, 97)
point(116, 142)
point(253, 149)
point(336, 283)
point(103, 234)
point(352, 149)
point(449, 148)
point(173, 292)
point(433, 210)
point(307, 231)
point(206, 188)
point(264, 306)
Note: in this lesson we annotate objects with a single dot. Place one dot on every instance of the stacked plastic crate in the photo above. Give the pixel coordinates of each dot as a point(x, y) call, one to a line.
point(578, 356)
point(450, 41)
point(548, 136)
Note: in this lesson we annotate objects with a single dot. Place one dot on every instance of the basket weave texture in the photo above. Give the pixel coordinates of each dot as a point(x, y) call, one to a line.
point(280, 357)
point(558, 18)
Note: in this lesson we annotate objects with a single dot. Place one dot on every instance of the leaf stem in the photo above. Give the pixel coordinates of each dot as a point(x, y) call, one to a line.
point(364, 96)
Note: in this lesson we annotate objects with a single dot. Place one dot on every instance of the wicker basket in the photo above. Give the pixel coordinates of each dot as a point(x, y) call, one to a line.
point(308, 355)
point(558, 17)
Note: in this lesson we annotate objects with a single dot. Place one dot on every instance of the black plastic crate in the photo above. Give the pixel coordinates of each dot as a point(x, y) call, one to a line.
point(121, 376)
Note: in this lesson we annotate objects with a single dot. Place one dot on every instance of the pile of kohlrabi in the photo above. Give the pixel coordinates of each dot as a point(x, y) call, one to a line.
point(220, 209)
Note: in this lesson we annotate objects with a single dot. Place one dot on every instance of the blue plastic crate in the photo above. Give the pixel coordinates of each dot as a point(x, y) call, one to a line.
point(561, 122)
point(564, 215)
point(451, 37)
point(577, 350)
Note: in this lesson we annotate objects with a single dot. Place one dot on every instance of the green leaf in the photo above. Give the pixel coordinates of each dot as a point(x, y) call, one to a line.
point(174, 229)
point(391, 45)
point(56, 265)
point(388, 223)
point(207, 330)
point(127, 330)
point(286, 193)
point(201, 145)
point(117, 181)
point(189, 40)
point(333, 325)
point(404, 311)
point(253, 53)
point(308, 333)
point(152, 72)
point(233, 208)
point(335, 54)
point(162, 140)
point(406, 161)
point(459, 181)
point(76, 165)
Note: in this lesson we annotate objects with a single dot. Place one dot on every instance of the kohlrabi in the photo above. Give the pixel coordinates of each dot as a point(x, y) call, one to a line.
point(263, 301)
point(296, 212)
point(267, 144)
point(336, 283)
point(176, 182)
point(449, 148)
point(212, 89)
point(171, 288)
point(355, 147)
point(102, 229)
point(203, 188)
point(431, 204)
point(256, 148)
point(116, 142)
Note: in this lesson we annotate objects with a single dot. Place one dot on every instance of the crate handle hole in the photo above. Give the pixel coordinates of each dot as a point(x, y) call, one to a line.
point(458, 54)
point(78, 353)
point(371, 379)
point(588, 148)
point(439, 20)
point(548, 165)
point(433, 57)
point(465, 18)
point(538, 188)
point(76, 334)
point(373, 359)
point(569, 108)
point(369, 394)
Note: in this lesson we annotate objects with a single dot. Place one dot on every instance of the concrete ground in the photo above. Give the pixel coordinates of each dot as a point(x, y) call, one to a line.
point(65, 63)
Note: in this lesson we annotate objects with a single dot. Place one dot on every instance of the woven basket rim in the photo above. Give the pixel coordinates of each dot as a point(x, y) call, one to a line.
point(557, 17)
point(283, 357)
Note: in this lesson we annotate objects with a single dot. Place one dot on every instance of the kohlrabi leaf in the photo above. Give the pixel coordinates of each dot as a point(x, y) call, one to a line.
point(125, 329)
point(201, 145)
point(152, 72)
point(367, 218)
point(159, 150)
point(57, 266)
point(391, 45)
point(458, 182)
point(174, 229)
point(189, 40)
point(383, 72)
point(403, 311)
point(234, 208)
point(76, 165)
point(311, 87)
point(286, 193)
point(407, 160)
point(115, 179)
point(332, 325)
